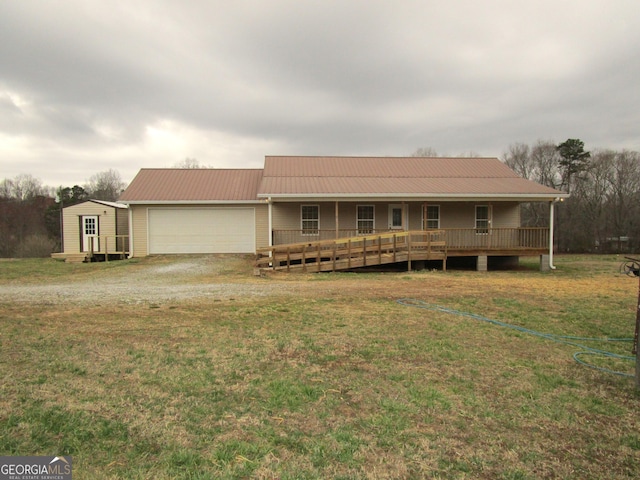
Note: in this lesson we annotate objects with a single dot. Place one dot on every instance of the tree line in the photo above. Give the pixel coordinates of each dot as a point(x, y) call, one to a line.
point(602, 213)
point(30, 212)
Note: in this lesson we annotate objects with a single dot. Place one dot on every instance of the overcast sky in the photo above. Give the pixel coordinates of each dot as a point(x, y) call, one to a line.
point(87, 86)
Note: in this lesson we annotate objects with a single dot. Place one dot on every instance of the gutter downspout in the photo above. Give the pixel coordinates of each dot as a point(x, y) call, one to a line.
point(270, 227)
point(551, 233)
point(130, 231)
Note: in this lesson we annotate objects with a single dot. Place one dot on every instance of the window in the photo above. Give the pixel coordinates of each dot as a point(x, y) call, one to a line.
point(482, 219)
point(365, 220)
point(90, 225)
point(432, 216)
point(310, 215)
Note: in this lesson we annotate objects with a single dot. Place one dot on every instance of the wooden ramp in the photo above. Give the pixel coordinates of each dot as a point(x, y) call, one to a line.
point(356, 252)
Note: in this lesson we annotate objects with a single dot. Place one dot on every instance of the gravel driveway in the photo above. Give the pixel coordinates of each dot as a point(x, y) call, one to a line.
point(171, 281)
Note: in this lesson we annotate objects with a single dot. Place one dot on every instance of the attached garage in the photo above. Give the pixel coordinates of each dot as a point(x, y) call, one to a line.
point(202, 230)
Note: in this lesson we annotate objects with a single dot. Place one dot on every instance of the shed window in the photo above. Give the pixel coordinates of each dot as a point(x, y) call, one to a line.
point(365, 220)
point(310, 215)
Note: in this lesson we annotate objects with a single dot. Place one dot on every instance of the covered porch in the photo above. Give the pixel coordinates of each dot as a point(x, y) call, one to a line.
point(486, 230)
point(294, 247)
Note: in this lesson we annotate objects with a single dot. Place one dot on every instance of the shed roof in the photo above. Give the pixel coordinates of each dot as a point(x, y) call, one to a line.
point(177, 185)
point(99, 202)
point(287, 176)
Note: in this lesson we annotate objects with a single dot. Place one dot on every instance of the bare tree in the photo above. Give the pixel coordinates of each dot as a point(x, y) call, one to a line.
point(545, 158)
point(22, 187)
point(589, 202)
point(107, 185)
point(538, 164)
point(624, 195)
point(518, 159)
point(189, 163)
point(425, 152)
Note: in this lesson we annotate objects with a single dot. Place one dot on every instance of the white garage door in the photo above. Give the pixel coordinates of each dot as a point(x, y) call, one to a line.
point(202, 230)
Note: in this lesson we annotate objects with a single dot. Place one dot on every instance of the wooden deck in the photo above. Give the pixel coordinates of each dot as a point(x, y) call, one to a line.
point(110, 247)
point(355, 252)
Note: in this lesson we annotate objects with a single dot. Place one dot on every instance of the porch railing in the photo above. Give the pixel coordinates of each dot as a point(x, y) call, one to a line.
point(108, 245)
point(460, 239)
point(523, 238)
point(355, 252)
point(283, 237)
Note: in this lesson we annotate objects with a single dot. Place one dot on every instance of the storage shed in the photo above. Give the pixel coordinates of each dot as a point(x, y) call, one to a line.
point(94, 230)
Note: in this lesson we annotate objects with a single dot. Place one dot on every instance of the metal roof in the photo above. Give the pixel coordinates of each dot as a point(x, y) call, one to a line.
point(286, 176)
point(193, 185)
point(289, 177)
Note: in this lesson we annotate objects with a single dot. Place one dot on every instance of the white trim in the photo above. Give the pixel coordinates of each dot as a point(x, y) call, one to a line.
point(196, 202)
point(270, 223)
point(412, 197)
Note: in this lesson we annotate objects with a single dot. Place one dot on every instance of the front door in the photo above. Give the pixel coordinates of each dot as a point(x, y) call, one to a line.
point(396, 220)
point(90, 231)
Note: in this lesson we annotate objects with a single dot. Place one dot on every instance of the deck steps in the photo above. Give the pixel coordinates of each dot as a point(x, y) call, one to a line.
point(70, 257)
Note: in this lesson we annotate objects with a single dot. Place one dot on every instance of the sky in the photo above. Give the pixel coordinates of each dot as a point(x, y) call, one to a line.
point(87, 86)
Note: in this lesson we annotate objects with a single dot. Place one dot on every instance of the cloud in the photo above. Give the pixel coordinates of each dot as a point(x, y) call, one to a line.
point(89, 85)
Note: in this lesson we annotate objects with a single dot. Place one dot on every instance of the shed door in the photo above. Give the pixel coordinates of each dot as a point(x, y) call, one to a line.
point(90, 231)
point(202, 230)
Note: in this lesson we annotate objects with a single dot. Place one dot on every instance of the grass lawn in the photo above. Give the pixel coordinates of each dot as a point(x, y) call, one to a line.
point(332, 378)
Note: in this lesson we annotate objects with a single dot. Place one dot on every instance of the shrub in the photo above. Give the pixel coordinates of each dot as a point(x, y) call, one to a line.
point(35, 246)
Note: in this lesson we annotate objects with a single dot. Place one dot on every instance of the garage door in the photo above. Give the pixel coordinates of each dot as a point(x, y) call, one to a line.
point(202, 230)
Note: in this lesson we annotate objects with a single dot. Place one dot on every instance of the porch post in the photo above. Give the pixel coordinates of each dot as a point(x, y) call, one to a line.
point(270, 215)
point(405, 218)
point(551, 233)
point(337, 222)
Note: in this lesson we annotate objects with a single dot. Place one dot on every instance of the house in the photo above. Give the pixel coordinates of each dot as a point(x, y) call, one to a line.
point(94, 229)
point(297, 200)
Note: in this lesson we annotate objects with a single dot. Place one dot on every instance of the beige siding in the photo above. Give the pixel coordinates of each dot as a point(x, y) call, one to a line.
point(287, 216)
point(141, 223)
point(262, 226)
point(71, 218)
point(122, 221)
point(457, 215)
point(463, 215)
point(139, 233)
point(506, 215)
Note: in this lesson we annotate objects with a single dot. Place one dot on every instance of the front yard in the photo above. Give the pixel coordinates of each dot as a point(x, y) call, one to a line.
point(190, 367)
